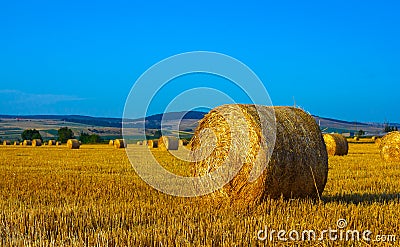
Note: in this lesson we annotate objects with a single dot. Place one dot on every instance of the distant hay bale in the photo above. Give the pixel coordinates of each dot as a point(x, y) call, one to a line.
point(27, 143)
point(356, 138)
point(374, 138)
point(336, 144)
point(16, 143)
point(168, 143)
point(139, 143)
point(51, 142)
point(152, 143)
point(298, 167)
point(6, 143)
point(73, 144)
point(58, 143)
point(390, 147)
point(21, 143)
point(378, 142)
point(183, 142)
point(144, 143)
point(120, 143)
point(111, 143)
point(36, 143)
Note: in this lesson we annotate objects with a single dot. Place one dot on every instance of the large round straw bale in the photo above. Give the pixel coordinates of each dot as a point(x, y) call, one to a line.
point(27, 143)
point(390, 147)
point(120, 143)
point(168, 143)
point(111, 143)
point(297, 168)
point(6, 142)
point(36, 143)
point(16, 143)
point(52, 142)
point(152, 143)
point(73, 144)
point(336, 144)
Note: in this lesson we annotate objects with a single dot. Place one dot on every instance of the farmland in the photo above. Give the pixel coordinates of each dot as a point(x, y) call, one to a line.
point(92, 196)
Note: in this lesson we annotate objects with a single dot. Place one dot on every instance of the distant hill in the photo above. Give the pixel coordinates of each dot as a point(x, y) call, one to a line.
point(109, 122)
point(11, 126)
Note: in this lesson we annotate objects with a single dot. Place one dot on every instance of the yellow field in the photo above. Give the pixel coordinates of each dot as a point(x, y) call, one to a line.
point(92, 196)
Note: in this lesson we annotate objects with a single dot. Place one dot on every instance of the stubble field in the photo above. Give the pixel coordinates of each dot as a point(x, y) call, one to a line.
point(53, 196)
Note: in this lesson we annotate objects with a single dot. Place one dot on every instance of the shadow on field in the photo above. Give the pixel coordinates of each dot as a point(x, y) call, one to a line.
point(363, 198)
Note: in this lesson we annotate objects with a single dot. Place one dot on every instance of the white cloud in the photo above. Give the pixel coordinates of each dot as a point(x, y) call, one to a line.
point(19, 97)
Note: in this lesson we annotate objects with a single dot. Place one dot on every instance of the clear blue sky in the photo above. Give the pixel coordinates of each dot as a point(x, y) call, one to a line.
point(339, 59)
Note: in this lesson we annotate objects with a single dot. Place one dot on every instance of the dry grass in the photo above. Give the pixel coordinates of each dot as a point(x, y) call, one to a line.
point(51, 196)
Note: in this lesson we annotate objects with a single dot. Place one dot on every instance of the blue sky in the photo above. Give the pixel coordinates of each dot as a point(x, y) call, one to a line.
point(338, 59)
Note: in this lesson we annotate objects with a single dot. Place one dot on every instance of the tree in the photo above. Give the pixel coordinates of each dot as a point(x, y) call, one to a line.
point(157, 134)
point(389, 128)
point(361, 132)
point(64, 134)
point(31, 134)
point(85, 138)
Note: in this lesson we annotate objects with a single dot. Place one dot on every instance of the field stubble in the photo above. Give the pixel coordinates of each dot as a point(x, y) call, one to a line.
point(92, 196)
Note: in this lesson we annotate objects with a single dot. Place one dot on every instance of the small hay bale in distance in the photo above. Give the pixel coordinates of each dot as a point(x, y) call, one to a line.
point(111, 143)
point(27, 143)
point(168, 143)
point(16, 143)
point(390, 147)
point(152, 143)
point(73, 144)
point(51, 142)
point(336, 144)
point(356, 138)
point(120, 143)
point(378, 142)
point(374, 138)
point(6, 142)
point(58, 143)
point(36, 143)
point(139, 143)
point(298, 167)
point(183, 142)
